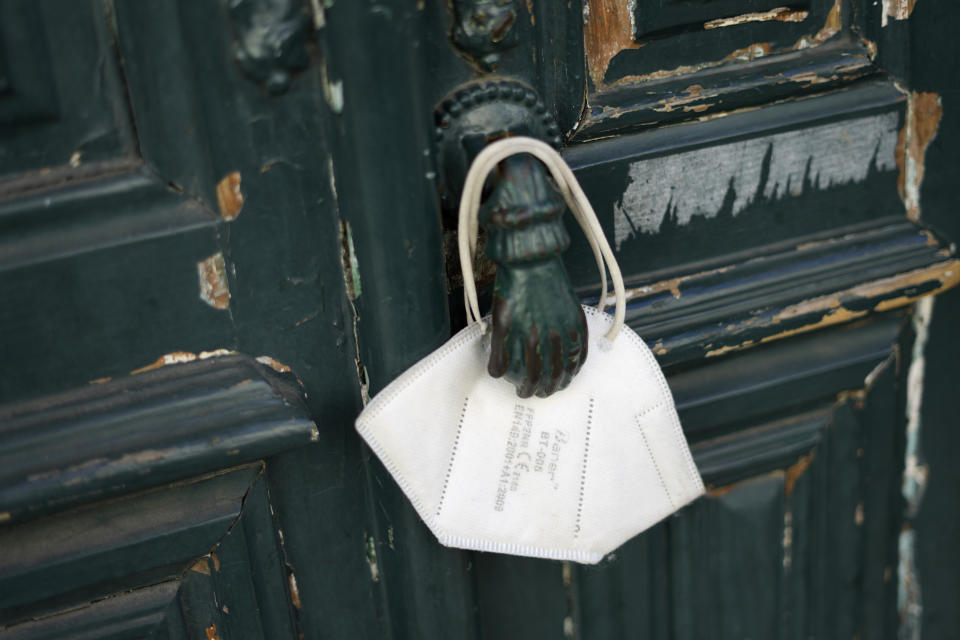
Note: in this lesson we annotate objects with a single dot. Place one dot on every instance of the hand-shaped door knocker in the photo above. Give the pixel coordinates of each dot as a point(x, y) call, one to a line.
point(539, 333)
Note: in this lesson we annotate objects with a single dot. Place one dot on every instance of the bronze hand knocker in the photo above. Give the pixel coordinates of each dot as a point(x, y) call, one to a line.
point(539, 332)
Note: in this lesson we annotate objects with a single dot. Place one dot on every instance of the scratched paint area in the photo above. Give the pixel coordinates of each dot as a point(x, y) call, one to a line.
point(783, 165)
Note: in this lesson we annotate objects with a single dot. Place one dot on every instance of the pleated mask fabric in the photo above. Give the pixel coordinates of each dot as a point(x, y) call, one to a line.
point(568, 477)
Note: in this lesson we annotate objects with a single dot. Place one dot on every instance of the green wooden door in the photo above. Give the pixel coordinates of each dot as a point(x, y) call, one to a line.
point(221, 233)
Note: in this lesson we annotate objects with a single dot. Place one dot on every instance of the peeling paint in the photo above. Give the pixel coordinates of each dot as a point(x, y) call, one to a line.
point(915, 472)
point(699, 182)
point(693, 93)
point(872, 376)
point(909, 595)
point(212, 632)
point(319, 17)
point(924, 111)
point(229, 196)
point(745, 54)
point(201, 566)
point(212, 274)
point(795, 471)
point(216, 561)
point(144, 456)
point(896, 9)
point(372, 558)
point(348, 259)
point(332, 90)
point(177, 357)
point(180, 357)
point(781, 14)
point(569, 627)
point(295, 592)
point(732, 347)
point(102, 380)
point(673, 285)
point(831, 25)
point(787, 538)
point(274, 364)
point(608, 30)
point(75, 158)
point(942, 275)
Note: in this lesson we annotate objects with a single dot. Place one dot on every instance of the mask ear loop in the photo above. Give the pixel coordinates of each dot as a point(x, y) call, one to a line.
point(575, 198)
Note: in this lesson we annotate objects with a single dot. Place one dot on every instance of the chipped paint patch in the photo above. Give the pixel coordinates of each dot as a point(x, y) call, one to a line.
point(909, 596)
point(212, 632)
point(372, 559)
point(177, 357)
point(212, 274)
point(274, 364)
point(673, 285)
point(229, 196)
point(787, 538)
point(773, 167)
point(693, 93)
point(780, 14)
point(896, 9)
point(614, 31)
point(608, 30)
point(201, 566)
point(830, 310)
point(332, 90)
point(712, 353)
point(140, 457)
point(180, 357)
point(348, 259)
point(794, 472)
point(319, 17)
point(831, 25)
point(924, 111)
point(915, 472)
point(294, 592)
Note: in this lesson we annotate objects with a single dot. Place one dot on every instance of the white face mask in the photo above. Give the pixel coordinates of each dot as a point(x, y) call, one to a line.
point(569, 477)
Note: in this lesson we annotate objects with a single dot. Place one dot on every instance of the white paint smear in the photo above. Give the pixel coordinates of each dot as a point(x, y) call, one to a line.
point(695, 183)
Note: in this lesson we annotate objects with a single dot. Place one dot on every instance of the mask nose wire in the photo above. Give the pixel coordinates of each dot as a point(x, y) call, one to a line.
point(575, 198)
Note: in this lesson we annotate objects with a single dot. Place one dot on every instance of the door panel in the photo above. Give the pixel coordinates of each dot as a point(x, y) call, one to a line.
point(221, 232)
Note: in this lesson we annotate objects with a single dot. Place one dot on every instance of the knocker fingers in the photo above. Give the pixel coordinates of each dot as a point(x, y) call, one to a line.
point(534, 358)
point(499, 362)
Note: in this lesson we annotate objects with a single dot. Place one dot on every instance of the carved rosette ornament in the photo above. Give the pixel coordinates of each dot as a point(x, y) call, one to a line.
point(270, 40)
point(483, 29)
point(539, 333)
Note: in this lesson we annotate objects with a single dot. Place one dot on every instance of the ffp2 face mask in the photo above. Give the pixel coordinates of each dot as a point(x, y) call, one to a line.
point(568, 477)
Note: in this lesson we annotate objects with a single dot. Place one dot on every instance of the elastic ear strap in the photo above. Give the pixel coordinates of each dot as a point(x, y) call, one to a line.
point(572, 193)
